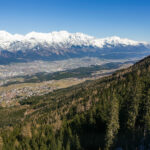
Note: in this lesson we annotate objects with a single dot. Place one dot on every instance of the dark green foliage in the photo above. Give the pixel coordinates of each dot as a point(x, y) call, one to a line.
point(103, 114)
point(113, 122)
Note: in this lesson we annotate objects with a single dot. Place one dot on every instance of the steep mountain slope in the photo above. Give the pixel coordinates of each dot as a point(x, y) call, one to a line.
point(106, 114)
point(63, 45)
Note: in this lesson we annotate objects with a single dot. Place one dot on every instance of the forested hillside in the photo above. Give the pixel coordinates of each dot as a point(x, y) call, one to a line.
point(108, 113)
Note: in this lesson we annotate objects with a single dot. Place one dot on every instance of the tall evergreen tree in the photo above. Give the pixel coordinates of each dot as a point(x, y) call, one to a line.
point(113, 123)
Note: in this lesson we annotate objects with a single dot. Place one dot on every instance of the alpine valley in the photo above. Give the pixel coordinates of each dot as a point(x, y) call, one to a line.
point(71, 91)
point(58, 51)
point(111, 113)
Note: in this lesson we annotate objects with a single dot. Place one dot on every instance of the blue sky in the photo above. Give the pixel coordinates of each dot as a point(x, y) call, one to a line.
point(100, 18)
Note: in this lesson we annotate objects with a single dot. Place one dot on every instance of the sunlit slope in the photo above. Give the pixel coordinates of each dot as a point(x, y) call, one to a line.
point(106, 113)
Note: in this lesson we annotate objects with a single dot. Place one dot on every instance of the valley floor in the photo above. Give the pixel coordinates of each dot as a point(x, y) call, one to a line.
point(19, 90)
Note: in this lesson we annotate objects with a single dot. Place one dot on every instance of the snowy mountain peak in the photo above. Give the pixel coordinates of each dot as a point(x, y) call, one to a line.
point(61, 39)
point(5, 36)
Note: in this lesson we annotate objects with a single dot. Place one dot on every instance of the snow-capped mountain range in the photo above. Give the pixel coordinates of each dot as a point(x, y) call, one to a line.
point(63, 45)
point(62, 39)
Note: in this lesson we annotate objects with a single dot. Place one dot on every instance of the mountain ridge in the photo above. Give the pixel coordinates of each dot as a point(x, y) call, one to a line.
point(64, 45)
point(62, 39)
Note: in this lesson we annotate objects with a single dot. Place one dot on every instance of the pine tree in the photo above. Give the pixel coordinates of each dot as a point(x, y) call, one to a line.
point(133, 103)
point(113, 123)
